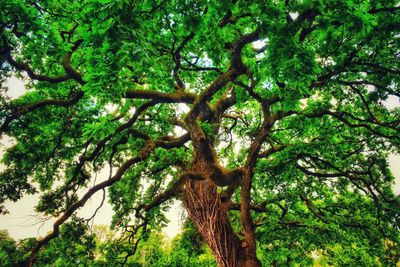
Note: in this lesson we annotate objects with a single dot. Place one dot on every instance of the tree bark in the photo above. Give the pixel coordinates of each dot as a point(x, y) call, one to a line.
point(210, 216)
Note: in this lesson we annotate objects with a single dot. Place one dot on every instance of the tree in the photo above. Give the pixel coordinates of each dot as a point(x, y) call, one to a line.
point(9, 254)
point(75, 247)
point(267, 119)
point(188, 249)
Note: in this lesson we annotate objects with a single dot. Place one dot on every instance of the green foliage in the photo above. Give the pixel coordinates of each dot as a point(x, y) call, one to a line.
point(208, 129)
point(188, 249)
point(75, 247)
point(9, 254)
point(300, 88)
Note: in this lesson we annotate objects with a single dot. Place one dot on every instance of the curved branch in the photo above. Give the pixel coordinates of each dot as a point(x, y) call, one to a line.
point(71, 73)
point(267, 153)
point(142, 155)
point(34, 76)
point(341, 116)
point(48, 102)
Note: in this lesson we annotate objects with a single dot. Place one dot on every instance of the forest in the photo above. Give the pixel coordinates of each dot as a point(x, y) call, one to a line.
point(271, 123)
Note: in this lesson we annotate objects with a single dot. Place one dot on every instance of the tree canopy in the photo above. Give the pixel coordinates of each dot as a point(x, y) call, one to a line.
point(267, 119)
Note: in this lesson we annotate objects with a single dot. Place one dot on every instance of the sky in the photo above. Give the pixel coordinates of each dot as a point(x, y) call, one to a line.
point(23, 222)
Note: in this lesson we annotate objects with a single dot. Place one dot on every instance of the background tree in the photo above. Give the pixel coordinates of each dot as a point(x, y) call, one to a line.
point(267, 119)
point(188, 249)
point(9, 254)
point(75, 247)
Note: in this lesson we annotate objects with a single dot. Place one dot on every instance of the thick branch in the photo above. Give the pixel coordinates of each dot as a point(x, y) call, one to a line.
point(271, 151)
point(245, 192)
point(177, 97)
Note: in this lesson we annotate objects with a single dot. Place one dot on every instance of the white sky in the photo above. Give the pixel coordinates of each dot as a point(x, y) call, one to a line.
point(23, 222)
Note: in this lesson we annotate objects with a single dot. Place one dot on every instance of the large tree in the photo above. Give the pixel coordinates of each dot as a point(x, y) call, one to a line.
point(267, 119)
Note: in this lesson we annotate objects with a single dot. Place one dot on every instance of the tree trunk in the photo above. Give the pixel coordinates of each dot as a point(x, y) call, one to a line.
point(206, 210)
point(209, 214)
